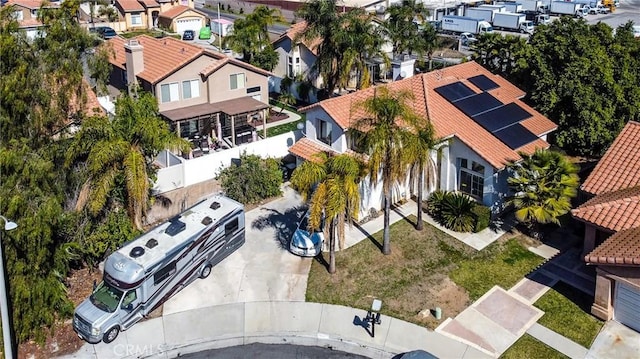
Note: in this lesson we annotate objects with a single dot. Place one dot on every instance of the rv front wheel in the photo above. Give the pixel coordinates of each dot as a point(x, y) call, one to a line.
point(205, 271)
point(111, 335)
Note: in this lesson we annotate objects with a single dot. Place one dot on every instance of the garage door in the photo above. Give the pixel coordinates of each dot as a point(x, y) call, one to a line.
point(626, 308)
point(188, 24)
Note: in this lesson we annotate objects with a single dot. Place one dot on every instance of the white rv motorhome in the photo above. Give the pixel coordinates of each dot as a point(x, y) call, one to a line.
point(148, 270)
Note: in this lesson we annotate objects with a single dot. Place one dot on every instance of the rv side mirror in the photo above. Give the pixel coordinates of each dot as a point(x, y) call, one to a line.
point(95, 284)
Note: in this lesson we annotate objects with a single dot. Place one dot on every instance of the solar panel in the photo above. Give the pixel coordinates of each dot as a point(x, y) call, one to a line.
point(515, 136)
point(455, 91)
point(483, 82)
point(501, 117)
point(478, 103)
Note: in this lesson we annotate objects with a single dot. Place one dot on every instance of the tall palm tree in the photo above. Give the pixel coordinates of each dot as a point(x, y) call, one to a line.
point(332, 185)
point(250, 37)
point(542, 184)
point(119, 154)
point(423, 168)
point(386, 130)
point(401, 29)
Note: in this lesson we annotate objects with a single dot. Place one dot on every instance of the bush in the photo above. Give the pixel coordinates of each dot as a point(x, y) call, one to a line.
point(456, 212)
point(483, 217)
point(434, 204)
point(252, 179)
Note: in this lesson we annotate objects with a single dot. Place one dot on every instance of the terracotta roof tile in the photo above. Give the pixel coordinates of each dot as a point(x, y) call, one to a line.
point(223, 60)
point(32, 4)
point(615, 211)
point(29, 23)
point(161, 56)
point(175, 11)
point(448, 120)
point(130, 5)
point(620, 166)
point(306, 148)
point(622, 248)
point(293, 34)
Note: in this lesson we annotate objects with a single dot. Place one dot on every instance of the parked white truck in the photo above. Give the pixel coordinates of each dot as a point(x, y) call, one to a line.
point(459, 24)
point(513, 7)
point(561, 8)
point(145, 272)
point(480, 13)
point(513, 22)
point(535, 5)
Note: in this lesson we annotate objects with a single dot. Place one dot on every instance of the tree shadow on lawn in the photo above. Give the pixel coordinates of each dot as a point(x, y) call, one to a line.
point(370, 237)
point(285, 223)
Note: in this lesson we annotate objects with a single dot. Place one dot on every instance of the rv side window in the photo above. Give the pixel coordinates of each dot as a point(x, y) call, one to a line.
point(164, 273)
point(231, 227)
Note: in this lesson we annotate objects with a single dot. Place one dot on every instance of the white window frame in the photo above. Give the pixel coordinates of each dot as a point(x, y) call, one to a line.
point(476, 177)
point(136, 18)
point(174, 92)
point(194, 89)
point(18, 15)
point(240, 81)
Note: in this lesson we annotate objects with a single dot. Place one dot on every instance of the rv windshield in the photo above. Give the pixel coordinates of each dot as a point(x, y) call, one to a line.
point(106, 297)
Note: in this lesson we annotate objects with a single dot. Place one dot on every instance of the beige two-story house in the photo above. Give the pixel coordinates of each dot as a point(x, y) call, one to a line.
point(199, 92)
point(173, 15)
point(26, 13)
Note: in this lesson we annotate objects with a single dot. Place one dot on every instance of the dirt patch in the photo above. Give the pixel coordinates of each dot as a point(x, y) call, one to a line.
point(63, 340)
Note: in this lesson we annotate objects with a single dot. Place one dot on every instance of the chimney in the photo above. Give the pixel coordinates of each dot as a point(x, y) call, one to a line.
point(135, 60)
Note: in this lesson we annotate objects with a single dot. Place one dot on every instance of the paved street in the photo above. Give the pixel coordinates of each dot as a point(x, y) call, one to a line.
point(629, 10)
point(273, 351)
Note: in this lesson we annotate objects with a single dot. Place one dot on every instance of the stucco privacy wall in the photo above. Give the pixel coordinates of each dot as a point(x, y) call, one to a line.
point(207, 167)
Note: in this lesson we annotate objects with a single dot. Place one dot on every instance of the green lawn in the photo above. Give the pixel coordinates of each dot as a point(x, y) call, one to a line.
point(416, 275)
point(503, 264)
point(528, 347)
point(284, 128)
point(567, 313)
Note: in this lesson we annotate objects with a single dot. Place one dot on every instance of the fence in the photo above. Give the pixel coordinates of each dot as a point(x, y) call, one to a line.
point(177, 172)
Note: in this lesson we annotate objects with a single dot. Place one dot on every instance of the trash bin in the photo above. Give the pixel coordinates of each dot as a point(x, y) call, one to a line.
point(438, 313)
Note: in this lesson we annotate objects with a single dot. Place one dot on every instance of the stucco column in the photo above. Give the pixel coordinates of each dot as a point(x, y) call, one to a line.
point(178, 128)
point(233, 130)
point(589, 239)
point(601, 307)
point(265, 113)
point(218, 127)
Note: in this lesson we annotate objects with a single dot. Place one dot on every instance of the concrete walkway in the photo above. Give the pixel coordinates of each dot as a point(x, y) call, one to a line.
point(565, 346)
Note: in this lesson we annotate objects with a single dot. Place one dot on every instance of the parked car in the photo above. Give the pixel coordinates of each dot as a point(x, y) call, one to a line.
point(599, 9)
point(188, 35)
point(305, 243)
point(104, 32)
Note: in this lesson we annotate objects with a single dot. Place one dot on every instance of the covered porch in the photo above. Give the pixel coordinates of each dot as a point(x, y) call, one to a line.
point(222, 124)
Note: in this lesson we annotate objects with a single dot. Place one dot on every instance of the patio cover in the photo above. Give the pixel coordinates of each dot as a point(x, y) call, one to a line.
point(231, 107)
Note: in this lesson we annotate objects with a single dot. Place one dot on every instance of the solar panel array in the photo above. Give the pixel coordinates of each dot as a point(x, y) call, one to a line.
point(503, 121)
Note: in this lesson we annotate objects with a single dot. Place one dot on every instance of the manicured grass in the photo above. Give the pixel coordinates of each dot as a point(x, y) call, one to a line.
point(416, 275)
point(528, 347)
point(284, 128)
point(502, 264)
point(567, 313)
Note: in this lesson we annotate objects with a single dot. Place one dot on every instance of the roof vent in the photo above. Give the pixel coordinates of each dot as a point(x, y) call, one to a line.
point(175, 227)
point(133, 42)
point(215, 205)
point(151, 243)
point(136, 252)
point(207, 220)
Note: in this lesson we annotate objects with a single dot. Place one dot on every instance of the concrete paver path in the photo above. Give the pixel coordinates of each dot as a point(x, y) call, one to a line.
point(565, 346)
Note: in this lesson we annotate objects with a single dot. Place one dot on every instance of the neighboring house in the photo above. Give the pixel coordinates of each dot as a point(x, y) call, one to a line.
point(199, 92)
point(612, 229)
point(26, 13)
point(297, 57)
point(176, 16)
point(479, 116)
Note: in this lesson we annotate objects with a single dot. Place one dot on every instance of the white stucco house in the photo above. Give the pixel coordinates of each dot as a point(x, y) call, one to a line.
point(479, 116)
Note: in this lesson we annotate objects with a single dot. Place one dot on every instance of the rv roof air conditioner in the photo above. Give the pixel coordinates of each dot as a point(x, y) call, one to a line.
point(215, 205)
point(151, 243)
point(207, 220)
point(136, 252)
point(175, 227)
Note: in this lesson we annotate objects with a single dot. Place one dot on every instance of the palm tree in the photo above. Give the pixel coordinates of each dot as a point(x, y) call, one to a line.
point(423, 168)
point(401, 29)
point(119, 154)
point(332, 185)
point(542, 184)
point(250, 37)
point(384, 141)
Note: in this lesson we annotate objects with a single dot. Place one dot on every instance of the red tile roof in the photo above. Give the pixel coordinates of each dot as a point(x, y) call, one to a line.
point(129, 5)
point(447, 120)
point(620, 166)
point(175, 11)
point(32, 4)
point(161, 56)
point(149, 3)
point(307, 149)
point(294, 34)
point(622, 248)
point(615, 211)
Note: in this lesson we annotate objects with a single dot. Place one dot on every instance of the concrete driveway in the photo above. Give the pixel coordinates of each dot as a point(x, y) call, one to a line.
point(261, 270)
point(615, 341)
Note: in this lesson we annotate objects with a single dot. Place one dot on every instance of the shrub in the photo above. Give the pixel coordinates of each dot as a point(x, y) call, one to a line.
point(456, 212)
point(434, 203)
point(252, 179)
point(483, 217)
